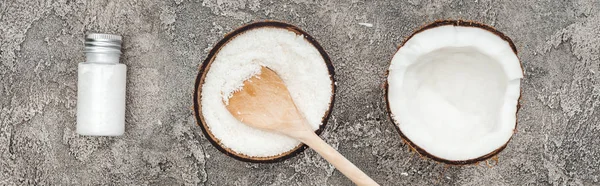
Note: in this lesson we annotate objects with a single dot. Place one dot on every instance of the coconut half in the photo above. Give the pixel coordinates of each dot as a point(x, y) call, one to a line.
point(453, 89)
point(294, 55)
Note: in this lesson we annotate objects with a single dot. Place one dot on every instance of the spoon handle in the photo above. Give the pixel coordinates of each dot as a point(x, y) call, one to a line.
point(336, 159)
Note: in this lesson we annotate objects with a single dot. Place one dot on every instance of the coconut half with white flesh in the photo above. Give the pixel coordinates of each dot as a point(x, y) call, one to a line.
point(294, 55)
point(453, 91)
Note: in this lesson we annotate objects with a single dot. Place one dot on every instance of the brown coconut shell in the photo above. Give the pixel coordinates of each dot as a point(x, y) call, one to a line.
point(206, 66)
point(420, 150)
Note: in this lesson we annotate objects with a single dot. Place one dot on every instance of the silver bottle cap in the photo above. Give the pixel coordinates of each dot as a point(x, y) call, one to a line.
point(103, 48)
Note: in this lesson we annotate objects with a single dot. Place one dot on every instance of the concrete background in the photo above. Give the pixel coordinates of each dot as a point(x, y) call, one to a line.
point(41, 43)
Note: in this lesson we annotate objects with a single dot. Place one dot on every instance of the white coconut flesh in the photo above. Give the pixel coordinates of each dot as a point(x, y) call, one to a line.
point(293, 58)
point(453, 91)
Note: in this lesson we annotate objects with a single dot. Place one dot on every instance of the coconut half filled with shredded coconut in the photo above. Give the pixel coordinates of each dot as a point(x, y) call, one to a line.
point(453, 89)
point(294, 55)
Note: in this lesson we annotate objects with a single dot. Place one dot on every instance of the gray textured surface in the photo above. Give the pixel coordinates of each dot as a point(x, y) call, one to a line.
point(41, 43)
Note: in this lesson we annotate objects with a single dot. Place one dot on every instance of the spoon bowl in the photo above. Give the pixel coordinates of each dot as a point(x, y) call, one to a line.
point(265, 103)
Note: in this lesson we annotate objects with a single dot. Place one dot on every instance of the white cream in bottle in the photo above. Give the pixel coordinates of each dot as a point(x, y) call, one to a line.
point(101, 87)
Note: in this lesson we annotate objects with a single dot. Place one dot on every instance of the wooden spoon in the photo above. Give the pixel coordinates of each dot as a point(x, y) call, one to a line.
point(265, 103)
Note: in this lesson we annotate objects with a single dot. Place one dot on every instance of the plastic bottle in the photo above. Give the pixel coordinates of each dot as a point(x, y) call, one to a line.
point(101, 87)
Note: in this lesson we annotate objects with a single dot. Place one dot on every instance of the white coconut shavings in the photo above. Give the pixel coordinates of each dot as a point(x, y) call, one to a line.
point(236, 83)
point(293, 58)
